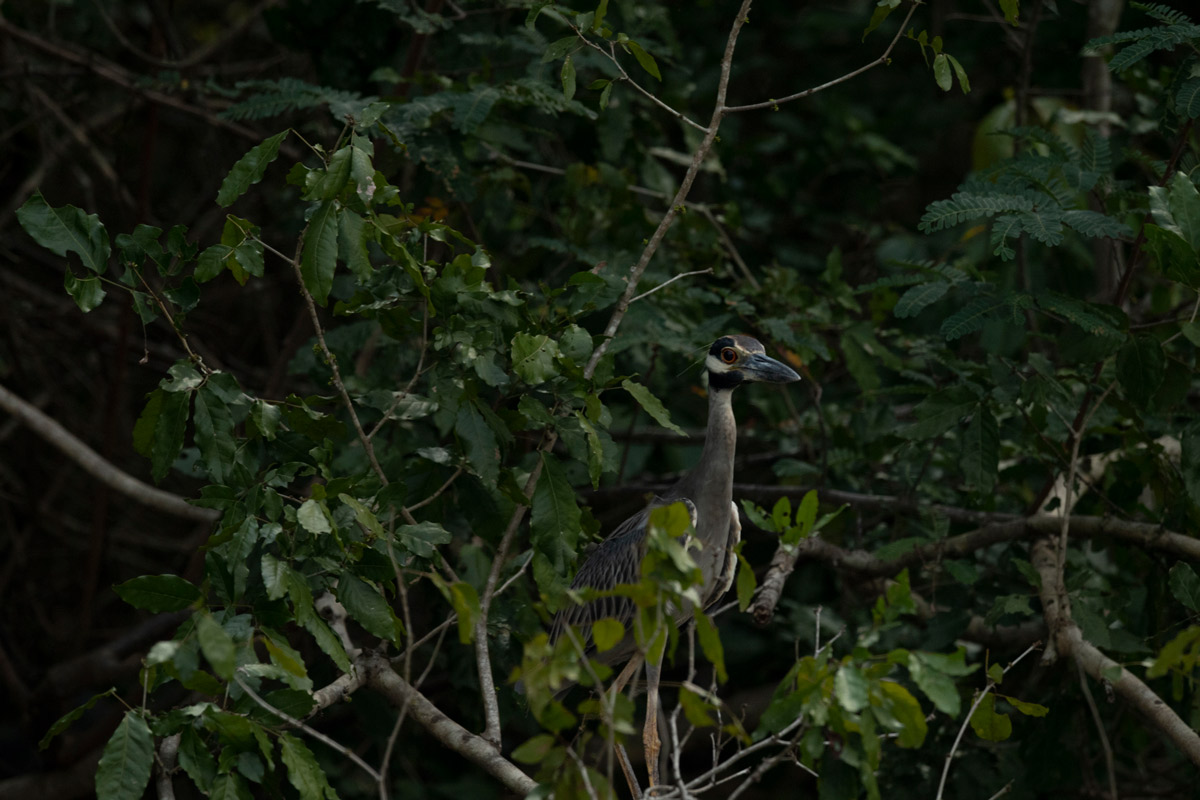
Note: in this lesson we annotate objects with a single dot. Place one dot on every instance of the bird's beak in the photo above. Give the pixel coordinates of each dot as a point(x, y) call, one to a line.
point(759, 367)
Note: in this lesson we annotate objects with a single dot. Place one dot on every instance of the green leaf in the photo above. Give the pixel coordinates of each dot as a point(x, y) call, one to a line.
point(881, 12)
point(229, 787)
point(124, 769)
point(1185, 585)
point(1176, 208)
point(86, 292)
point(274, 576)
point(697, 710)
point(1028, 709)
point(196, 760)
point(651, 405)
point(352, 244)
point(806, 517)
point(746, 583)
point(1187, 99)
point(559, 48)
point(367, 606)
point(941, 72)
point(313, 518)
point(533, 358)
point(899, 703)
point(964, 83)
point(304, 773)
point(987, 724)
point(465, 601)
point(534, 11)
point(1010, 8)
point(981, 451)
point(68, 719)
point(249, 169)
point(66, 230)
point(936, 685)
point(644, 58)
point(554, 524)
point(479, 442)
point(423, 538)
point(607, 633)
point(217, 645)
point(158, 593)
point(1140, 368)
point(913, 301)
point(318, 260)
point(214, 434)
point(568, 78)
point(535, 750)
point(710, 643)
point(850, 687)
point(939, 413)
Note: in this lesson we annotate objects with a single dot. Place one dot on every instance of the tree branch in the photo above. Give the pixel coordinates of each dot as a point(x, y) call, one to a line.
point(883, 59)
point(104, 471)
point(475, 749)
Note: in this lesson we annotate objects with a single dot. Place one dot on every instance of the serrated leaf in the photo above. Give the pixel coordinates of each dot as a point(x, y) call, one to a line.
point(607, 633)
point(249, 169)
point(196, 760)
point(158, 593)
point(217, 645)
point(479, 442)
point(214, 434)
point(366, 605)
point(651, 405)
point(66, 230)
point(303, 771)
point(1185, 585)
point(554, 524)
point(318, 260)
point(124, 768)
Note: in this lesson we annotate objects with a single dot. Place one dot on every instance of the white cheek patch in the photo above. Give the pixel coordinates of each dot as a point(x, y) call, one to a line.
point(715, 364)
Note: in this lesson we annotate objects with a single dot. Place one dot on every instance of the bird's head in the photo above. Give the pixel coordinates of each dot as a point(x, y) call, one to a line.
point(733, 360)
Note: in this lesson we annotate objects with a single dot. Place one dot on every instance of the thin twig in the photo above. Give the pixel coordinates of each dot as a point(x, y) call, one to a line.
point(1104, 743)
point(883, 59)
point(316, 734)
point(669, 281)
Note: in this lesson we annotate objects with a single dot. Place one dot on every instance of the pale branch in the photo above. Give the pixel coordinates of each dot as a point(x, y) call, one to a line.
point(669, 281)
point(967, 720)
point(340, 689)
point(483, 661)
point(383, 679)
point(1068, 641)
point(96, 466)
point(166, 760)
point(685, 187)
point(883, 59)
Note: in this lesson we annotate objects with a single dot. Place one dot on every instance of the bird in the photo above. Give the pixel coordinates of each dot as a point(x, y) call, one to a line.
point(707, 493)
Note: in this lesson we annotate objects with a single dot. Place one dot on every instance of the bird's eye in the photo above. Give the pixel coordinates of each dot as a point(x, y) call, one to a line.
point(729, 355)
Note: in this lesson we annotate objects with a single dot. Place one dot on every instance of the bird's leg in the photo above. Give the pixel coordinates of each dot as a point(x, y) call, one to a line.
point(650, 739)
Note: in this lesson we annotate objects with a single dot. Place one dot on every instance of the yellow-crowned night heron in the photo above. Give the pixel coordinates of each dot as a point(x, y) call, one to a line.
point(708, 493)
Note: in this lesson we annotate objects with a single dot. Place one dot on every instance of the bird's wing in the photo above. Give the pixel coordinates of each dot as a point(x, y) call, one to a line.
point(615, 560)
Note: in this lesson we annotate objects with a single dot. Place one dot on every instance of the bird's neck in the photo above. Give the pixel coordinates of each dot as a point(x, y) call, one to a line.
point(711, 482)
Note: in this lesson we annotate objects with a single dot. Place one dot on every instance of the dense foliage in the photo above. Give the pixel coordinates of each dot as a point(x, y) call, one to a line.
point(508, 232)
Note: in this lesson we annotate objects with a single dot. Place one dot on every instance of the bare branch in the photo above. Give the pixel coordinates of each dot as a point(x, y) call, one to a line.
point(671, 280)
point(104, 471)
point(883, 59)
point(475, 749)
point(168, 755)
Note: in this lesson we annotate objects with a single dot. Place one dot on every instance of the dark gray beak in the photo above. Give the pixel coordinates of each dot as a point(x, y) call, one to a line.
point(764, 369)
